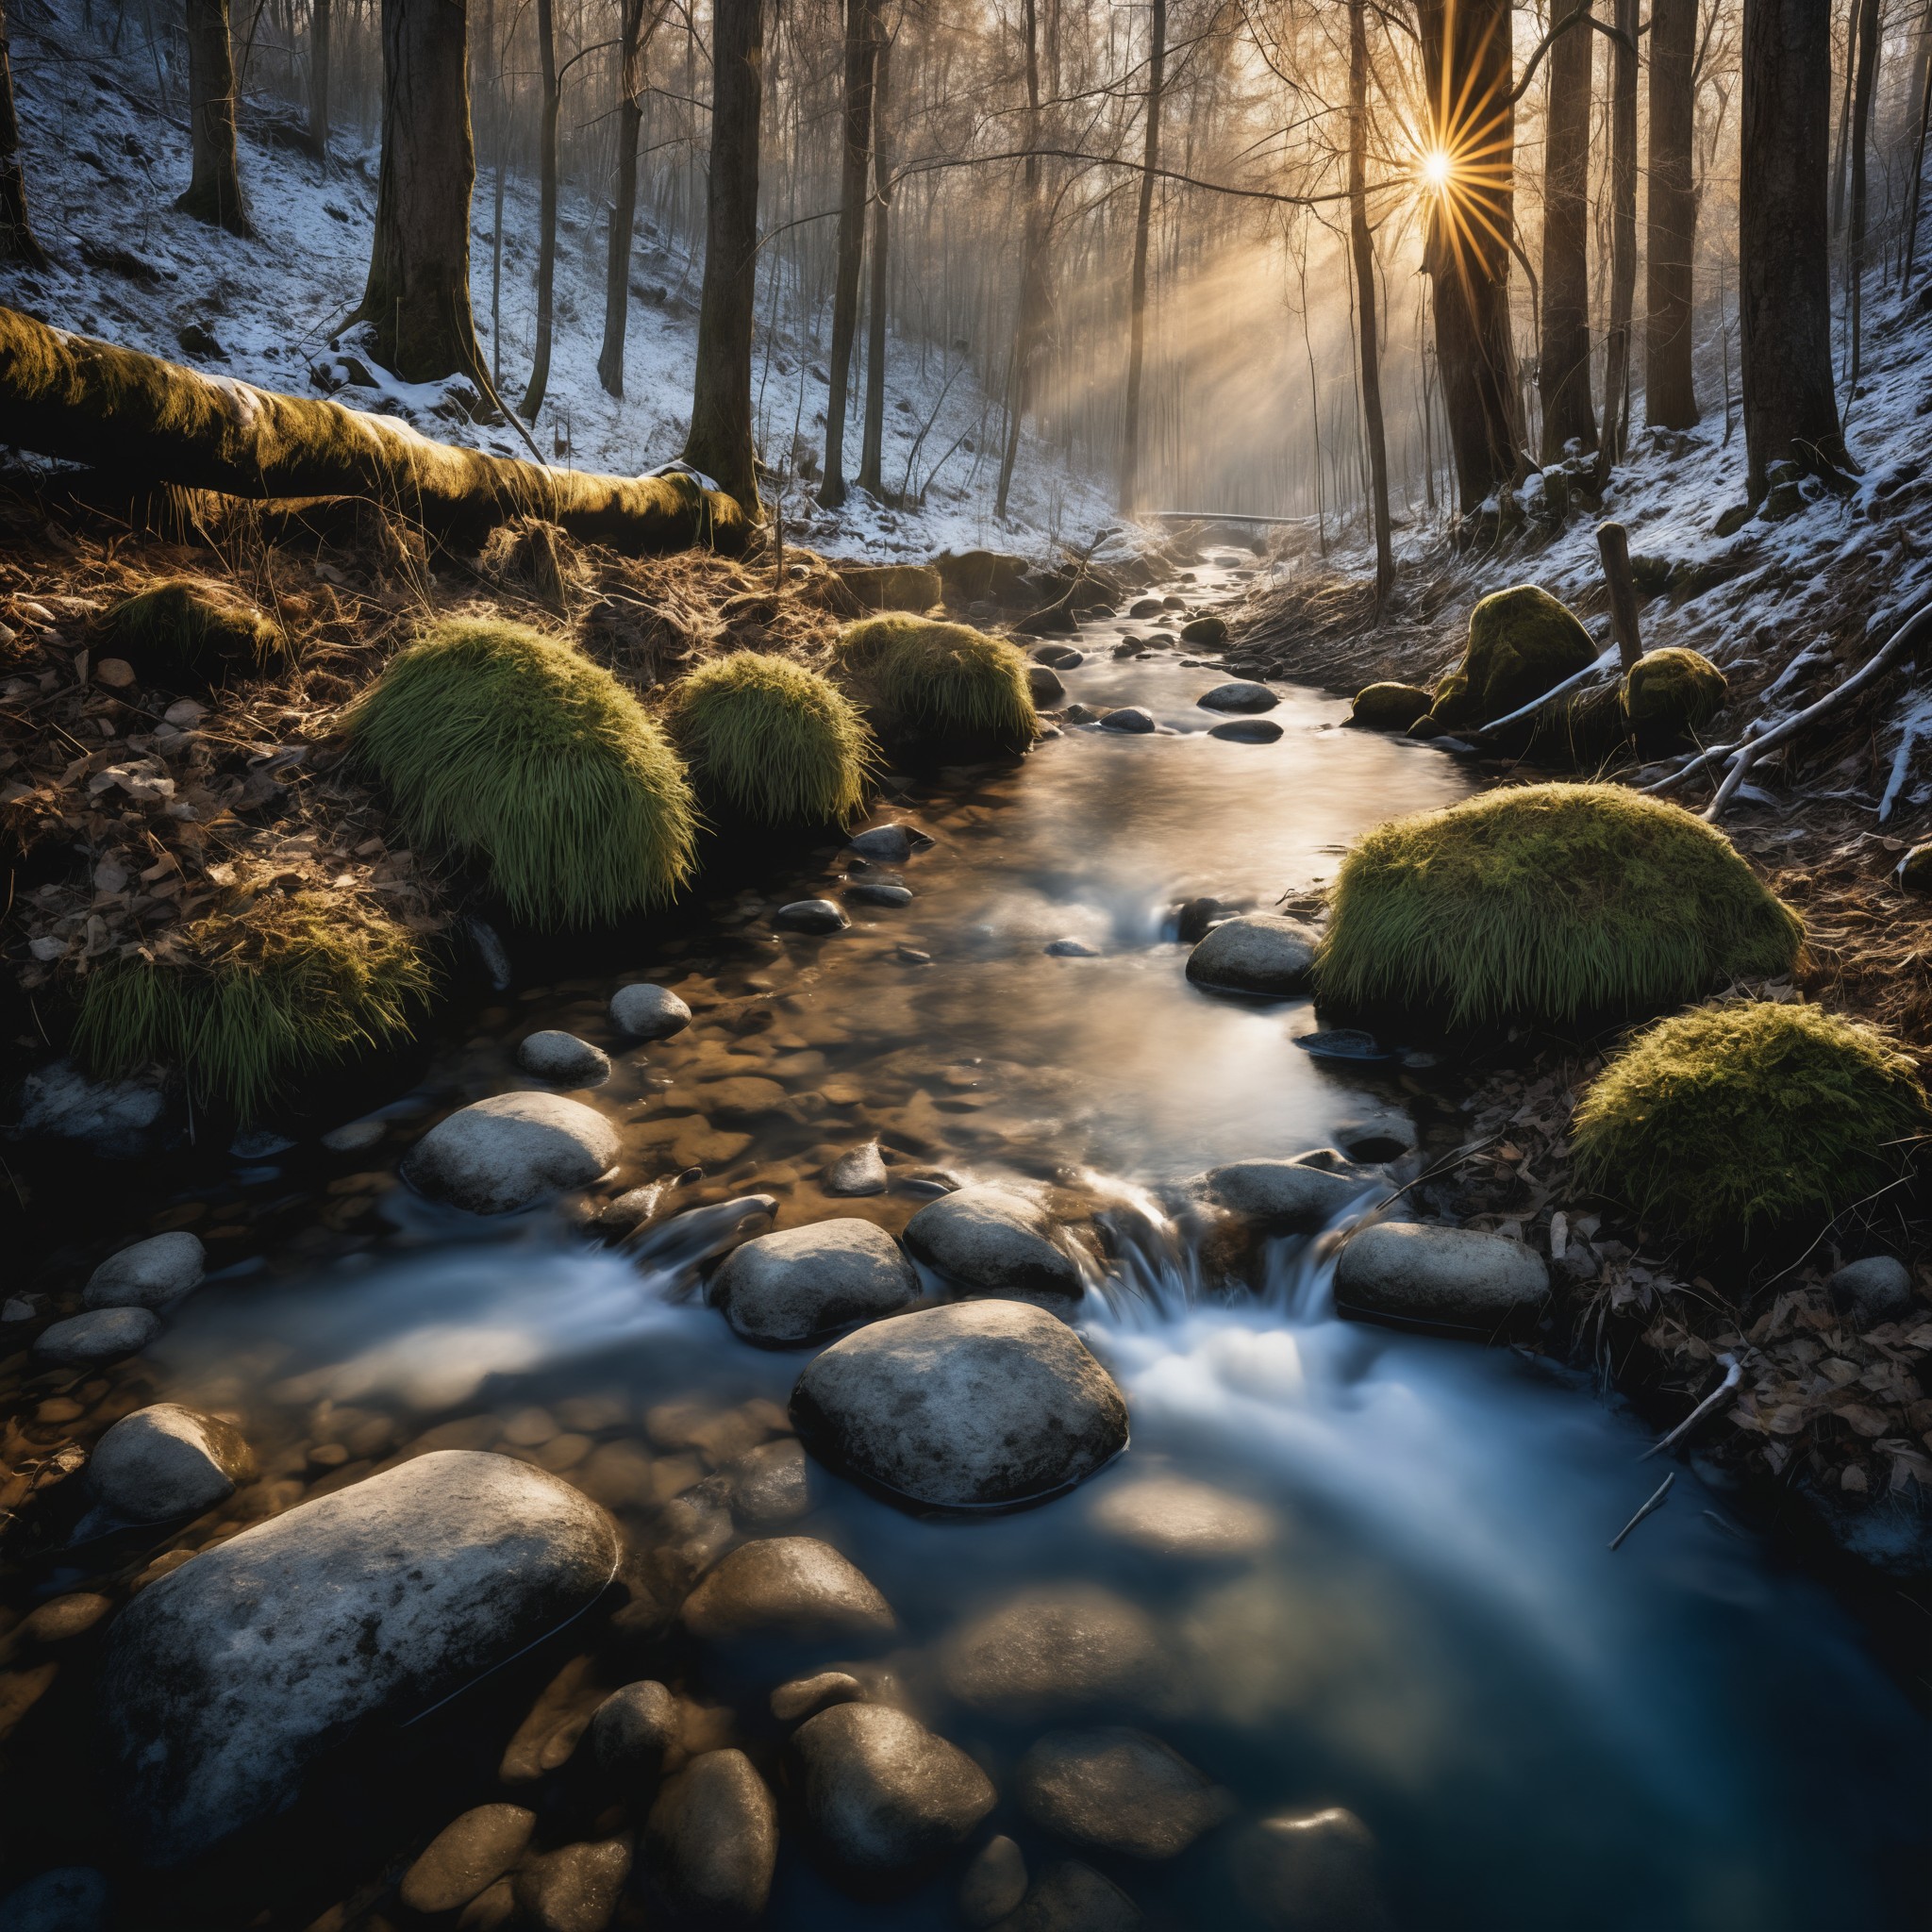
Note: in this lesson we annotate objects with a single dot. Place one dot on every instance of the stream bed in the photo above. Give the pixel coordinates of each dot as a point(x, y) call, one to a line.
point(1403, 1603)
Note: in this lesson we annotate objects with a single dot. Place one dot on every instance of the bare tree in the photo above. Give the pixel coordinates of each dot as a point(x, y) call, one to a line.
point(1362, 251)
point(1613, 447)
point(624, 205)
point(214, 186)
point(320, 37)
point(17, 242)
point(1563, 376)
point(1136, 325)
point(1868, 41)
point(872, 453)
point(1670, 396)
point(1027, 322)
point(546, 215)
point(861, 62)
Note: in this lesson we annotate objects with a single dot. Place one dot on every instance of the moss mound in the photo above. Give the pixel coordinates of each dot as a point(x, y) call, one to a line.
point(1522, 643)
point(260, 994)
point(185, 635)
point(892, 586)
point(1548, 903)
point(506, 746)
point(1668, 696)
point(1389, 706)
point(929, 680)
point(770, 741)
point(1749, 1114)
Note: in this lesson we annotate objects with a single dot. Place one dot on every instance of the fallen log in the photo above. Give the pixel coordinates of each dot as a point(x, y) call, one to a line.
point(138, 418)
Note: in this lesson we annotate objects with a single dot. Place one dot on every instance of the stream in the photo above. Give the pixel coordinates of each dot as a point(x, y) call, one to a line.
point(1416, 1615)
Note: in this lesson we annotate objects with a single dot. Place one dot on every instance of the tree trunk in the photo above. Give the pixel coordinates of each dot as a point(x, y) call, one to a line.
point(143, 421)
point(17, 242)
point(1671, 241)
point(1784, 286)
point(418, 296)
point(1563, 376)
point(319, 36)
point(861, 60)
point(1466, 68)
point(1614, 448)
point(872, 453)
point(1032, 248)
point(1844, 118)
point(1143, 219)
point(1362, 249)
point(1869, 39)
point(546, 217)
point(214, 188)
point(623, 206)
point(720, 443)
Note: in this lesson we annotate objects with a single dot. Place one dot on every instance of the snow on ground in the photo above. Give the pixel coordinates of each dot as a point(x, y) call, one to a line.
point(104, 165)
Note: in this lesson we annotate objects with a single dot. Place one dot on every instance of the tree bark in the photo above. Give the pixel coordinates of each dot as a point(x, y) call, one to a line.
point(720, 443)
point(1362, 250)
point(1563, 374)
point(623, 206)
point(1669, 395)
point(1143, 221)
point(873, 451)
point(143, 421)
point(1612, 449)
point(1869, 41)
point(861, 62)
point(417, 300)
point(1783, 287)
point(1466, 68)
point(319, 38)
point(17, 242)
point(546, 217)
point(214, 186)
point(1027, 326)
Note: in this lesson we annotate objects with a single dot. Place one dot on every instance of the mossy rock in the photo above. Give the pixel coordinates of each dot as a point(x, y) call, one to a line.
point(1749, 1117)
point(1915, 869)
point(1521, 643)
point(256, 995)
point(186, 635)
point(927, 683)
point(1389, 706)
point(1731, 521)
point(892, 586)
point(1670, 697)
point(1212, 631)
point(770, 743)
point(507, 747)
point(1549, 903)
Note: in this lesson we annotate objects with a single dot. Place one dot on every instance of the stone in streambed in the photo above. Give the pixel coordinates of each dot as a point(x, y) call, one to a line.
point(713, 1839)
point(1238, 694)
point(884, 1794)
point(223, 1680)
point(501, 1153)
point(1456, 1276)
point(1058, 656)
point(1204, 630)
point(792, 1587)
point(978, 1404)
point(1313, 1873)
point(1184, 1520)
point(861, 1171)
point(105, 1335)
point(1045, 687)
point(632, 1729)
point(1146, 606)
point(1118, 1789)
point(877, 893)
point(576, 1889)
point(165, 1462)
point(554, 1054)
point(1056, 1649)
point(649, 1012)
point(770, 1483)
point(467, 1858)
point(1390, 707)
point(1070, 949)
point(153, 1273)
point(1259, 953)
point(1134, 718)
point(1072, 1897)
point(890, 844)
point(1295, 1197)
point(1247, 730)
point(992, 1884)
point(803, 1696)
point(811, 915)
point(992, 1239)
point(791, 1288)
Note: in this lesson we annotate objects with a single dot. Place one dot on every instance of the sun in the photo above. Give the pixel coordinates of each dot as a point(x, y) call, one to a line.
point(1438, 168)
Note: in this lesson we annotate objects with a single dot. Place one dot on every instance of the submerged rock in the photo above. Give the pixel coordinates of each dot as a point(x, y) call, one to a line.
point(467, 1858)
point(1189, 1521)
point(1315, 1873)
point(1045, 687)
point(877, 893)
point(811, 915)
point(649, 1012)
point(503, 1152)
point(1295, 1197)
point(105, 1335)
point(1259, 953)
point(861, 1171)
point(770, 1483)
point(153, 1273)
point(979, 1405)
point(1070, 949)
point(789, 1288)
point(164, 1462)
point(889, 844)
point(713, 1839)
point(793, 1588)
point(1238, 694)
point(1456, 1276)
point(1055, 1649)
point(992, 1884)
point(1072, 1897)
point(995, 1240)
point(553, 1055)
point(1119, 1789)
point(224, 1680)
point(1058, 656)
point(1247, 730)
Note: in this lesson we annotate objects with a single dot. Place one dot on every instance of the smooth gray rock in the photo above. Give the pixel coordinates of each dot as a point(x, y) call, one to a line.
point(501, 1153)
point(792, 1287)
point(1061, 1648)
point(1259, 953)
point(1285, 1196)
point(1456, 1276)
point(164, 1462)
point(878, 893)
point(1045, 687)
point(861, 1171)
point(1247, 730)
point(1135, 718)
point(802, 1696)
point(574, 1889)
point(153, 1273)
point(884, 1794)
point(889, 844)
point(811, 915)
point(1058, 656)
point(770, 1483)
point(121, 1120)
point(1070, 949)
point(993, 1240)
point(632, 1729)
point(713, 1839)
point(467, 1857)
point(1072, 1897)
point(554, 1054)
point(793, 1588)
point(1877, 1288)
point(69, 1898)
point(982, 1404)
point(992, 1884)
point(1238, 694)
point(1313, 1872)
point(104, 1335)
point(1119, 1789)
point(223, 1680)
point(647, 1011)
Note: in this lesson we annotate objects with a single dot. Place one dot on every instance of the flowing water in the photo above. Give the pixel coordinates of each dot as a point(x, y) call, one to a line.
point(1419, 1620)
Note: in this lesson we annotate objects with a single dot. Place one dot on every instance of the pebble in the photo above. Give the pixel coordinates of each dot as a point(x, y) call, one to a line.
point(1055, 1648)
point(1058, 656)
point(149, 1275)
point(890, 844)
point(633, 1728)
point(354, 1136)
point(1247, 730)
point(1134, 718)
point(713, 1838)
point(64, 1617)
point(873, 893)
point(1072, 1897)
point(105, 1335)
point(770, 1483)
point(861, 1171)
point(554, 1054)
point(803, 1696)
point(1257, 953)
point(793, 1588)
point(1070, 949)
point(646, 1011)
point(993, 1240)
point(1119, 1790)
point(1298, 1196)
point(467, 1857)
point(1045, 687)
point(811, 915)
point(993, 1883)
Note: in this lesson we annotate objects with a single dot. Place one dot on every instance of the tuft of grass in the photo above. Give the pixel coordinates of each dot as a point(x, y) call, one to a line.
point(1749, 1114)
point(260, 994)
point(1522, 643)
point(182, 632)
point(928, 680)
point(770, 742)
point(509, 747)
point(1549, 903)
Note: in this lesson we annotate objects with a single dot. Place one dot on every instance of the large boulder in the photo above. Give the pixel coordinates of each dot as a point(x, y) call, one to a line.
point(1442, 1276)
point(787, 1586)
point(882, 1791)
point(503, 1152)
point(713, 1839)
point(1056, 1649)
point(787, 1289)
point(223, 1680)
point(1522, 643)
point(1285, 1196)
point(994, 1240)
point(164, 1462)
point(1313, 1873)
point(979, 1405)
point(1119, 1789)
point(153, 1273)
point(1260, 952)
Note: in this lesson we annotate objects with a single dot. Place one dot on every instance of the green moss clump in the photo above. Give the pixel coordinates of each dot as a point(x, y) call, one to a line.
point(770, 742)
point(1389, 706)
point(1668, 696)
point(923, 679)
point(1749, 1114)
point(1522, 643)
point(185, 635)
point(258, 996)
point(1549, 903)
point(507, 746)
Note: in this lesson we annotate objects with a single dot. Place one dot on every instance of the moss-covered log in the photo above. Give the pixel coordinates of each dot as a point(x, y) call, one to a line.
point(137, 417)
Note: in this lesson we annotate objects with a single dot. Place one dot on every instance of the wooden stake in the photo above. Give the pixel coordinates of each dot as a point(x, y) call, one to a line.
point(1613, 545)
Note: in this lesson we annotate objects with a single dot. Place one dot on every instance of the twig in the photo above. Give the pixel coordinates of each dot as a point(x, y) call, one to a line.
point(1655, 1503)
point(1734, 1374)
point(1602, 662)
